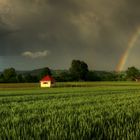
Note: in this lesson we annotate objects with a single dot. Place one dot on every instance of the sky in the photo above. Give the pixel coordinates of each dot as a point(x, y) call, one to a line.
point(40, 33)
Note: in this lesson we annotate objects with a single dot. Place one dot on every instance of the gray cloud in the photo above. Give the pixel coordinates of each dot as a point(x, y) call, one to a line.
point(95, 31)
point(39, 54)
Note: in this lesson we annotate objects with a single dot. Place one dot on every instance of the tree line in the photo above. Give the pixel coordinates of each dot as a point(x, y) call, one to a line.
point(78, 71)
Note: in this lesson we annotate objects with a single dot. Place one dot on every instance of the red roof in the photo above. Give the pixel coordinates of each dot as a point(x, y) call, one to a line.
point(47, 78)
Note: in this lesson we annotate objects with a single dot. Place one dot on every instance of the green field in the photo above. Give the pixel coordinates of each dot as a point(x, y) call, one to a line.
point(75, 111)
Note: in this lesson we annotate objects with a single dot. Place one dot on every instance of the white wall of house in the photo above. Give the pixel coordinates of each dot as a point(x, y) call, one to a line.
point(45, 83)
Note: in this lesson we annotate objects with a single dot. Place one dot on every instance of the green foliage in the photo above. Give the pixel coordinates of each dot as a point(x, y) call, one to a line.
point(132, 73)
point(30, 78)
point(92, 76)
point(20, 78)
point(106, 76)
point(104, 111)
point(44, 72)
point(9, 75)
point(1, 78)
point(79, 70)
point(64, 77)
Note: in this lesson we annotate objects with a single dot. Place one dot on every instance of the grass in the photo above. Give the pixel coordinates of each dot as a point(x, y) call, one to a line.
point(100, 110)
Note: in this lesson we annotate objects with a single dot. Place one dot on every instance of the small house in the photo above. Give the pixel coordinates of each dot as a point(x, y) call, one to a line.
point(137, 79)
point(47, 81)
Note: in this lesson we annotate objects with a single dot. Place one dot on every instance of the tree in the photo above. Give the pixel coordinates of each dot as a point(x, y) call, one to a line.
point(44, 72)
point(9, 75)
point(20, 78)
point(92, 76)
point(1, 78)
point(79, 70)
point(121, 76)
point(132, 73)
point(64, 77)
point(28, 78)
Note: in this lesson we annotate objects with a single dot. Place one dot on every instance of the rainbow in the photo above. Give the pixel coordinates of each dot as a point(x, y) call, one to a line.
point(126, 53)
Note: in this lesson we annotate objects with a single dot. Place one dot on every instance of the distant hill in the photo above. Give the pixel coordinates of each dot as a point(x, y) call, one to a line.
point(36, 72)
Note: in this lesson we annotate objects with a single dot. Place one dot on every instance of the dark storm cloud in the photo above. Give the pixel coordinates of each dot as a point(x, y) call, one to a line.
point(96, 31)
point(128, 14)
